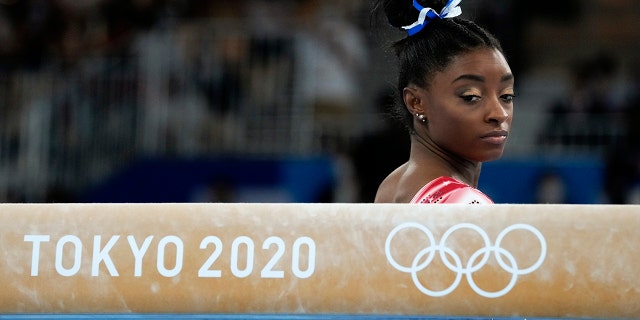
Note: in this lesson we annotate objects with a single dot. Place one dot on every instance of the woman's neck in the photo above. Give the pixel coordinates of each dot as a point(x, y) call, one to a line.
point(426, 153)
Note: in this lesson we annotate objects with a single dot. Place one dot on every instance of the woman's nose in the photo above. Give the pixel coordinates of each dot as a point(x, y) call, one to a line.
point(497, 112)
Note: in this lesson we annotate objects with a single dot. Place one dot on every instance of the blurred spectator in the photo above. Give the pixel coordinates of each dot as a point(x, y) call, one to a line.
point(125, 18)
point(507, 19)
point(510, 20)
point(331, 57)
point(622, 160)
point(219, 189)
point(550, 189)
point(377, 154)
point(585, 118)
point(26, 29)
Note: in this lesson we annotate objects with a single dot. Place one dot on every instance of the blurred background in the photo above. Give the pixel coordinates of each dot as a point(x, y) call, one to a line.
point(284, 101)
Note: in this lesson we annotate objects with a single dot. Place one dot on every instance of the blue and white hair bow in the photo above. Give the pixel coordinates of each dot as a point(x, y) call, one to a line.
point(450, 10)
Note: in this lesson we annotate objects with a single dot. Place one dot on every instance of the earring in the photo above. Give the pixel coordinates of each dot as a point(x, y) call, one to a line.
point(421, 117)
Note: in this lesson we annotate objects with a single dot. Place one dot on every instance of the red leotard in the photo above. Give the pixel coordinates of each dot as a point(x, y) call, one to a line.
point(450, 190)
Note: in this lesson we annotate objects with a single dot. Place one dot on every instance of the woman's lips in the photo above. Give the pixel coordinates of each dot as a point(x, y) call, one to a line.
point(496, 137)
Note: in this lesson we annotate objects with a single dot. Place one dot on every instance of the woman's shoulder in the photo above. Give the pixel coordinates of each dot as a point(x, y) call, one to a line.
point(388, 188)
point(401, 185)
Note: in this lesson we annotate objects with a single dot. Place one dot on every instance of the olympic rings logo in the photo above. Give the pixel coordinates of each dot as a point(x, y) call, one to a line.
point(476, 261)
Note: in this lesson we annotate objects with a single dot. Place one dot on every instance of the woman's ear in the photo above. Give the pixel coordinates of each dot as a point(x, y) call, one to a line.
point(412, 100)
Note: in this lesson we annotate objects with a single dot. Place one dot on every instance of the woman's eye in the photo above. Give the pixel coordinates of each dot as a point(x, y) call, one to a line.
point(470, 98)
point(508, 97)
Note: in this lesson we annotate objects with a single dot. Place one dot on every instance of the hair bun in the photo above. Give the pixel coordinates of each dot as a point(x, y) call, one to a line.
point(401, 13)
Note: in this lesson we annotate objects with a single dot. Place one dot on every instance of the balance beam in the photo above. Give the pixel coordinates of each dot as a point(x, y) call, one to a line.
point(359, 259)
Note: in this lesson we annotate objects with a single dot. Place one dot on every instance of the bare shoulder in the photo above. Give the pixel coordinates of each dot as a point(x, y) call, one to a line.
point(403, 184)
point(390, 190)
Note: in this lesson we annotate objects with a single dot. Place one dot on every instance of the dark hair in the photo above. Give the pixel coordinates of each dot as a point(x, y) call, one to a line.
point(431, 50)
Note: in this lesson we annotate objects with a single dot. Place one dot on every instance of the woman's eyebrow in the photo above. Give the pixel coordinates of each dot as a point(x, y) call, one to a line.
point(472, 77)
point(507, 77)
point(478, 78)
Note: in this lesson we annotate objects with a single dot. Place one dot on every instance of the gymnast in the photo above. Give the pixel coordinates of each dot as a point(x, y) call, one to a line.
point(456, 93)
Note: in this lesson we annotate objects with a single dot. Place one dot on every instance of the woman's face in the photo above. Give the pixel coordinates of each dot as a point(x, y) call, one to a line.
point(469, 105)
